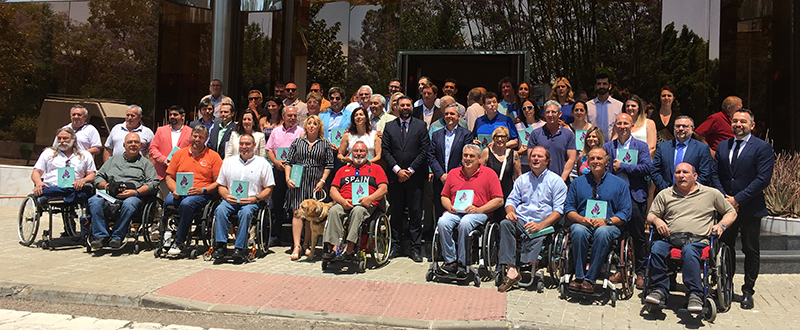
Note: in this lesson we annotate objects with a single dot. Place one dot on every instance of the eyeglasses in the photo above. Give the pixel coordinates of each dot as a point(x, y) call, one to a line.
point(254, 98)
point(291, 89)
point(560, 86)
point(336, 98)
point(500, 136)
point(314, 90)
point(528, 108)
point(682, 126)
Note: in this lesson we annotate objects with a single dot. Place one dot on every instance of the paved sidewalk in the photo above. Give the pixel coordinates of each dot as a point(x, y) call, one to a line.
point(13, 320)
point(125, 279)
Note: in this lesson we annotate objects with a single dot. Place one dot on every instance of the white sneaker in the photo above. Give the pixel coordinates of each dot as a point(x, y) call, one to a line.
point(174, 251)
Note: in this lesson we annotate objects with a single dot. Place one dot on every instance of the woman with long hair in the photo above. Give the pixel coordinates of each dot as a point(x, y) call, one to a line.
point(644, 129)
point(529, 116)
point(360, 130)
point(594, 138)
point(247, 125)
point(313, 152)
point(664, 118)
point(393, 104)
point(562, 93)
point(273, 117)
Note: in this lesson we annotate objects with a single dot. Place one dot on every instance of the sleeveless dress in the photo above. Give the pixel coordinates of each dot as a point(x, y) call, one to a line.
point(368, 139)
point(506, 183)
point(665, 132)
point(315, 159)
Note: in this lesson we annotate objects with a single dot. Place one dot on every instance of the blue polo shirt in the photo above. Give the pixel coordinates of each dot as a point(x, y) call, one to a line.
point(611, 189)
point(557, 144)
point(484, 125)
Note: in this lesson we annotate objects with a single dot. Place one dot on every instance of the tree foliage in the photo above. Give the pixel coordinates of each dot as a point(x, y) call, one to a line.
point(327, 63)
point(256, 59)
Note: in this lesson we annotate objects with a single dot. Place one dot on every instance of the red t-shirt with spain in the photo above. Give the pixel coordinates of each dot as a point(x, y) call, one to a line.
point(371, 173)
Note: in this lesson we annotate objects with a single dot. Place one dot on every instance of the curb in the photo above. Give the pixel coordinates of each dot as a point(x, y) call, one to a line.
point(154, 300)
point(56, 294)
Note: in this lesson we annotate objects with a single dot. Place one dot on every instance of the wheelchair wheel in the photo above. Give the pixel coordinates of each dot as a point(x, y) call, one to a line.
point(380, 239)
point(263, 230)
point(28, 221)
point(555, 256)
point(724, 272)
point(709, 310)
point(491, 248)
point(151, 221)
point(626, 262)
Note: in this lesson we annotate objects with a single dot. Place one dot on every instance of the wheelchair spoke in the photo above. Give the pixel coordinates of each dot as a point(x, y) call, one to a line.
point(28, 222)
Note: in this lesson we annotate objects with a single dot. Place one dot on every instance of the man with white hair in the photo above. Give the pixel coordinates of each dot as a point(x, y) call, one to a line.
point(377, 116)
point(132, 124)
point(364, 94)
point(67, 158)
point(86, 135)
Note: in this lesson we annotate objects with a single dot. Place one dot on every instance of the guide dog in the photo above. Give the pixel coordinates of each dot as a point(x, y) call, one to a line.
point(316, 213)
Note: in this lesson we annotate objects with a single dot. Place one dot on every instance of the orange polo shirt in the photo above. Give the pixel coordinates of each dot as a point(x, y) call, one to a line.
point(205, 166)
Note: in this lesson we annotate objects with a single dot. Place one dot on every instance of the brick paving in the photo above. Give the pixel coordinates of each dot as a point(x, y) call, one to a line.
point(124, 273)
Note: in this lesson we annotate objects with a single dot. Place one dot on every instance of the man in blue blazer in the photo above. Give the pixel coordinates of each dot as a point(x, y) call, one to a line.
point(744, 170)
point(405, 146)
point(682, 149)
point(634, 174)
point(445, 152)
point(221, 133)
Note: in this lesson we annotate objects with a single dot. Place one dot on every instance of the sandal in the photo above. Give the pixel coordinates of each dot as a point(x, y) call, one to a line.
point(307, 251)
point(508, 283)
point(295, 253)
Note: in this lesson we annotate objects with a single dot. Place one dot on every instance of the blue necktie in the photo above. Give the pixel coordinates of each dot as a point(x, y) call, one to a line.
point(679, 150)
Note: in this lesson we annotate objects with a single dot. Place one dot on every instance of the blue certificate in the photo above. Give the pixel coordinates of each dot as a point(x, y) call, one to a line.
point(183, 181)
point(359, 191)
point(628, 156)
point(580, 138)
point(296, 175)
point(336, 135)
point(525, 136)
point(463, 200)
point(174, 149)
point(282, 153)
point(596, 209)
point(66, 177)
point(484, 139)
point(239, 189)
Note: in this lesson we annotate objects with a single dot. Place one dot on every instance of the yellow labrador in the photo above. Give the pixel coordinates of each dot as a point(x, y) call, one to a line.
point(316, 213)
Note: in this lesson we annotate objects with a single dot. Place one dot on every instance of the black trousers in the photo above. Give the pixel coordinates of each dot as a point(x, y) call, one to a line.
point(401, 196)
point(278, 198)
point(750, 227)
point(635, 227)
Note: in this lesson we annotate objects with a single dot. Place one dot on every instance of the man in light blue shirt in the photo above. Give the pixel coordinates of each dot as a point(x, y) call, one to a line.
point(535, 203)
point(336, 116)
point(603, 109)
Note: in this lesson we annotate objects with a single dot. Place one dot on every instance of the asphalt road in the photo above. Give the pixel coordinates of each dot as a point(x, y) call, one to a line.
point(184, 318)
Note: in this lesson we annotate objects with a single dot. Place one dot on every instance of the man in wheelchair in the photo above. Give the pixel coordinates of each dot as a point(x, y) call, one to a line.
point(471, 192)
point(204, 165)
point(127, 177)
point(684, 218)
point(357, 189)
point(244, 182)
point(536, 202)
point(597, 204)
point(64, 170)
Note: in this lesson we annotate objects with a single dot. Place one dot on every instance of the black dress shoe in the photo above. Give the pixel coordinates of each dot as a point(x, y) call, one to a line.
point(219, 252)
point(238, 254)
point(115, 243)
point(747, 300)
point(416, 256)
point(97, 243)
point(394, 254)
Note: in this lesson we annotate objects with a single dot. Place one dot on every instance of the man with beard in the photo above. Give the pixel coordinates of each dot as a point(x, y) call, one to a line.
point(86, 135)
point(129, 167)
point(487, 196)
point(451, 90)
point(745, 165)
point(405, 148)
point(682, 149)
point(603, 109)
point(66, 155)
point(204, 163)
point(394, 87)
point(168, 138)
point(360, 172)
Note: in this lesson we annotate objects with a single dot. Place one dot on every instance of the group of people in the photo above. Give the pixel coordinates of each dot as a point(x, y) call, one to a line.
point(600, 166)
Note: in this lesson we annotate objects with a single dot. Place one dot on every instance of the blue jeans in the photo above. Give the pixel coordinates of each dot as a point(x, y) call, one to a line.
point(601, 240)
point(121, 225)
point(187, 205)
point(221, 215)
point(466, 223)
point(690, 254)
point(68, 195)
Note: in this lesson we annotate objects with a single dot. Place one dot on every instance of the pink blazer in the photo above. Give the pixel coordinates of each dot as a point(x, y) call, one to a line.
point(162, 146)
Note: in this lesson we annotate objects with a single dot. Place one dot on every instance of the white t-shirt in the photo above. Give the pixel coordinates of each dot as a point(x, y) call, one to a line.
point(116, 138)
point(87, 137)
point(256, 171)
point(50, 165)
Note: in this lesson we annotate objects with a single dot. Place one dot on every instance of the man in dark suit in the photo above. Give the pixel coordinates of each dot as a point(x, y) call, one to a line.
point(634, 174)
point(445, 151)
point(221, 133)
point(683, 149)
point(744, 170)
point(428, 111)
point(405, 149)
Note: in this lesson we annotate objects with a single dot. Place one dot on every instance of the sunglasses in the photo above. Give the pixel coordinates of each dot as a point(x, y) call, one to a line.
point(291, 89)
point(253, 98)
point(500, 136)
point(530, 107)
point(336, 98)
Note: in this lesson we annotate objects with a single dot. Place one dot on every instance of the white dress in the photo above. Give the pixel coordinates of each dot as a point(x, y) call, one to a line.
point(368, 139)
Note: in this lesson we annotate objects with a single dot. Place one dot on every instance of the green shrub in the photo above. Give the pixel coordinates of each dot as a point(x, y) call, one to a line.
point(783, 193)
point(23, 129)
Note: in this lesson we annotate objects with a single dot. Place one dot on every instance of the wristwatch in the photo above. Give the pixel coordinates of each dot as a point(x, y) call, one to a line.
point(609, 222)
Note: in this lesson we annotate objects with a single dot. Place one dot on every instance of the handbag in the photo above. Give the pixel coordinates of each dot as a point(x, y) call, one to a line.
point(681, 239)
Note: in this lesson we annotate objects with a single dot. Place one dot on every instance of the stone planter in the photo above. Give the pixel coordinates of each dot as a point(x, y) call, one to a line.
point(780, 226)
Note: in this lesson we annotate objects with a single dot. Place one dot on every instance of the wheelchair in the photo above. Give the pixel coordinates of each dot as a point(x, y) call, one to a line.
point(620, 259)
point(375, 238)
point(199, 234)
point(144, 226)
point(484, 241)
point(31, 211)
point(716, 276)
point(531, 274)
point(258, 233)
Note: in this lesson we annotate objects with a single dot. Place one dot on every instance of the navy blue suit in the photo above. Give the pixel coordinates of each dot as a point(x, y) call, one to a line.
point(639, 189)
point(746, 182)
point(462, 137)
point(697, 153)
point(212, 143)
